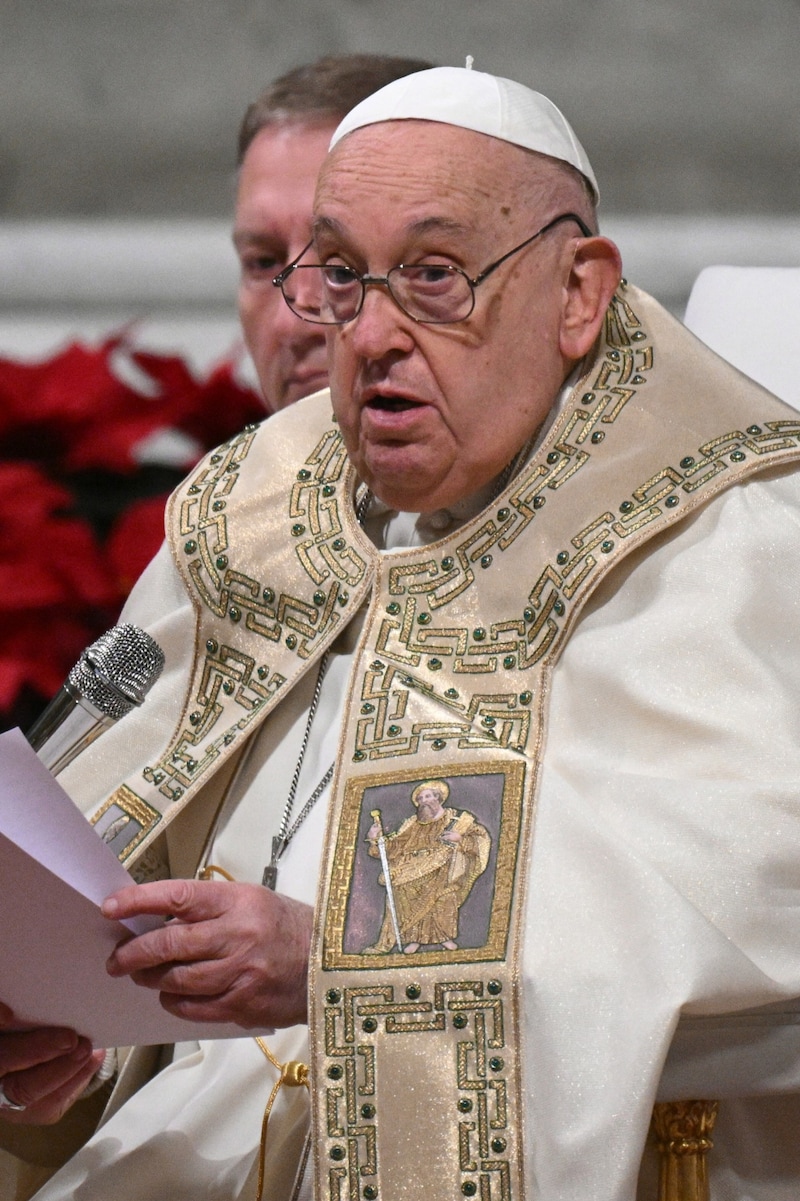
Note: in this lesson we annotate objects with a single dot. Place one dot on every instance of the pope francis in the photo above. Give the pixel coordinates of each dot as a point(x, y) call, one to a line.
point(538, 545)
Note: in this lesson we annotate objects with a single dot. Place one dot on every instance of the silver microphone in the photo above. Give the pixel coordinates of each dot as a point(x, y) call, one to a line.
point(112, 676)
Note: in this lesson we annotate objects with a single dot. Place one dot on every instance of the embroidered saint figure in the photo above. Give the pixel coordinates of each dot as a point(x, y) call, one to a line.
point(432, 862)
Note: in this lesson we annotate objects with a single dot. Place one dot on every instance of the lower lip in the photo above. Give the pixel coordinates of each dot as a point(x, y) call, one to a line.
point(393, 420)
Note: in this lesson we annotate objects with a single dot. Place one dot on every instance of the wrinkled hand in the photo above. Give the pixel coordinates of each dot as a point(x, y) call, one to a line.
point(45, 1069)
point(232, 953)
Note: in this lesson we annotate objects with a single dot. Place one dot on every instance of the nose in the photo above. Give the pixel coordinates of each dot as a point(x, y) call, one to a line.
point(381, 326)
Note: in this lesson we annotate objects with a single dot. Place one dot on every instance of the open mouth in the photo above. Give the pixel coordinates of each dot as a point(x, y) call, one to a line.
point(392, 404)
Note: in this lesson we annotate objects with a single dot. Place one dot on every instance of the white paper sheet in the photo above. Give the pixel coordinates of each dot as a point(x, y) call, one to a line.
point(54, 942)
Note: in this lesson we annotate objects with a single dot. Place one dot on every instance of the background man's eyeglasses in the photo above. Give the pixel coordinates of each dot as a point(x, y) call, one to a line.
point(432, 293)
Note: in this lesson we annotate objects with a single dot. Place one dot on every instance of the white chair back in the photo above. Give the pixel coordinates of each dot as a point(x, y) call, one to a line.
point(751, 316)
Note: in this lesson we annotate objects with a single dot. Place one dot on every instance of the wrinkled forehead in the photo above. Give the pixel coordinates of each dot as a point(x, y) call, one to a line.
point(423, 163)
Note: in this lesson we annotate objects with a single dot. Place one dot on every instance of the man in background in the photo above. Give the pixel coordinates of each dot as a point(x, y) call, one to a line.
point(282, 141)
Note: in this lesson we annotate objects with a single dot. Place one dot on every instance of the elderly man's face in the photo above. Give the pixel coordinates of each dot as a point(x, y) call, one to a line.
point(272, 225)
point(431, 413)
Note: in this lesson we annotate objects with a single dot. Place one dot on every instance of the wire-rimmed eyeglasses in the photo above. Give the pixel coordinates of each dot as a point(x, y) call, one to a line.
point(431, 293)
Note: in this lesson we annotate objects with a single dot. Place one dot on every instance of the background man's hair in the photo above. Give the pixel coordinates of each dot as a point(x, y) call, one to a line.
point(322, 91)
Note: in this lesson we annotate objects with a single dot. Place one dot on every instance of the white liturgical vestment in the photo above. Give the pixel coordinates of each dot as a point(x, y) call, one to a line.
point(663, 882)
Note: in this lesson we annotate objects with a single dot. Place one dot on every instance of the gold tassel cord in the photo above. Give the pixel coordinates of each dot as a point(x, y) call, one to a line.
point(293, 1074)
point(213, 869)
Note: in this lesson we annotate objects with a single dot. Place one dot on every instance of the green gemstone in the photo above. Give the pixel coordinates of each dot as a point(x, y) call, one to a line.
point(337, 1152)
point(638, 336)
point(496, 1063)
point(367, 708)
point(553, 457)
point(525, 698)
point(606, 546)
point(434, 664)
point(359, 757)
point(638, 379)
point(227, 688)
point(304, 474)
point(529, 614)
point(268, 595)
point(328, 490)
point(370, 1025)
point(597, 436)
point(498, 1145)
point(333, 996)
point(194, 718)
point(447, 563)
point(393, 608)
point(490, 721)
point(671, 502)
point(479, 634)
point(338, 544)
point(539, 501)
point(222, 562)
point(319, 598)
point(469, 1188)
point(193, 490)
point(191, 764)
point(190, 547)
point(687, 462)
point(291, 641)
point(614, 355)
point(562, 557)
point(262, 673)
point(413, 992)
point(503, 514)
point(218, 506)
point(509, 661)
point(465, 1105)
point(588, 397)
point(460, 1021)
point(370, 1193)
point(424, 619)
point(368, 1111)
point(298, 529)
point(376, 665)
point(494, 987)
point(737, 457)
point(451, 694)
point(558, 608)
point(215, 459)
point(486, 560)
point(212, 647)
point(754, 429)
point(343, 598)
point(393, 731)
point(235, 613)
point(626, 506)
point(336, 1072)
point(438, 744)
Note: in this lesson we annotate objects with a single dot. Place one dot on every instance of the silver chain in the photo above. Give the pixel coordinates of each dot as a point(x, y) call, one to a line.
point(287, 832)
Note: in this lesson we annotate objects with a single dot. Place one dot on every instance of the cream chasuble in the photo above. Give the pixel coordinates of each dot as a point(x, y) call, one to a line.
point(422, 1042)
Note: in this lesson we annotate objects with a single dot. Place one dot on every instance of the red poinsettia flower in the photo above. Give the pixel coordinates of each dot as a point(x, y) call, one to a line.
point(56, 592)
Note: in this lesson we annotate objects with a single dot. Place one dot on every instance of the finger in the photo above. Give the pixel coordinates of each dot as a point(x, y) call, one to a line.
point(176, 942)
point(192, 900)
point(24, 1049)
point(47, 1097)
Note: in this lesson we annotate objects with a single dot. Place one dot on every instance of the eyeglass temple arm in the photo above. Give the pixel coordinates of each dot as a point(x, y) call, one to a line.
point(289, 268)
point(584, 228)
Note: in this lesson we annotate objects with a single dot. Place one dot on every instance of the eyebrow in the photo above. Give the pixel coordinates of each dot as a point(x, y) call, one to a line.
point(445, 225)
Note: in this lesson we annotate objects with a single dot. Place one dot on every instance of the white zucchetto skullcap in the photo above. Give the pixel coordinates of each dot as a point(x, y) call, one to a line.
point(488, 104)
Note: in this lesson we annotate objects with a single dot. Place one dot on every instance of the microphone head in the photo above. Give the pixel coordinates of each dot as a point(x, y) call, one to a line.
point(117, 671)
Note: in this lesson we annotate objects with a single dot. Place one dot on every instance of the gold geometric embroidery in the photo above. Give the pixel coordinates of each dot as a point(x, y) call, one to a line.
point(357, 1018)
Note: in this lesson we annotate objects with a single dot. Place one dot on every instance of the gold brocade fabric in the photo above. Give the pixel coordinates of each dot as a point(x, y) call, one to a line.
point(416, 1072)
